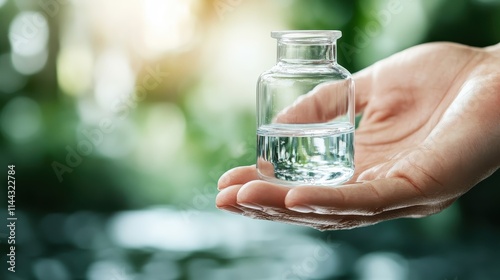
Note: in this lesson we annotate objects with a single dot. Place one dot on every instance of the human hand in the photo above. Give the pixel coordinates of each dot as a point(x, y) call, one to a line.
point(430, 131)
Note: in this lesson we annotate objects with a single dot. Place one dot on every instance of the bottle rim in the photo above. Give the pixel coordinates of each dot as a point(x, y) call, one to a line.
point(306, 34)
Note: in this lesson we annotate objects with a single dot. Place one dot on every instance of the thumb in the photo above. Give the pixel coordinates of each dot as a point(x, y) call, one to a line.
point(363, 89)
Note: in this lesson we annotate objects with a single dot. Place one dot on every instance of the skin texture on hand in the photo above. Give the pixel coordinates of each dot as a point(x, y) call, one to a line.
point(430, 132)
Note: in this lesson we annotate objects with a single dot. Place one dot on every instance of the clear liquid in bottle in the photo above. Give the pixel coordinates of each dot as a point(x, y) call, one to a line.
point(316, 154)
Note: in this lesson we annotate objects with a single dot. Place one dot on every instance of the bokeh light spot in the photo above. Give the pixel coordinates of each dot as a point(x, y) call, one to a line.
point(169, 25)
point(21, 118)
point(29, 64)
point(164, 133)
point(50, 269)
point(74, 70)
point(114, 78)
point(81, 228)
point(109, 269)
point(382, 265)
point(28, 33)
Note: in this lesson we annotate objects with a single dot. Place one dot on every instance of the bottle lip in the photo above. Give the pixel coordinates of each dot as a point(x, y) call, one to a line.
point(307, 34)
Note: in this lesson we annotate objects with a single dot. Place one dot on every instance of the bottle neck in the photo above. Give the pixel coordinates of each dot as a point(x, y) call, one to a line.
point(309, 52)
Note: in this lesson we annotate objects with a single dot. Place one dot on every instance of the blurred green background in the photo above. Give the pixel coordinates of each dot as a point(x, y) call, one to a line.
point(120, 116)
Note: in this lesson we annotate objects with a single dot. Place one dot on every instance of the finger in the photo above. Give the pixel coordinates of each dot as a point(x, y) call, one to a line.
point(251, 196)
point(270, 209)
point(368, 198)
point(226, 200)
point(264, 215)
point(260, 194)
point(337, 222)
point(238, 175)
point(255, 195)
point(243, 199)
point(265, 167)
point(263, 200)
point(363, 88)
point(329, 100)
point(325, 102)
point(227, 196)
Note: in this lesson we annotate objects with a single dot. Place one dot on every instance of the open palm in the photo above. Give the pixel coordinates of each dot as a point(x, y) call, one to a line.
point(430, 131)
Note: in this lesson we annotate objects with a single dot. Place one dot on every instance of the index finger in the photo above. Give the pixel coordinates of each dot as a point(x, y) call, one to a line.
point(329, 100)
point(237, 176)
point(367, 198)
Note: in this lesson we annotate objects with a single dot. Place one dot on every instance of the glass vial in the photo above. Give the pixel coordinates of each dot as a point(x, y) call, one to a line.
point(305, 112)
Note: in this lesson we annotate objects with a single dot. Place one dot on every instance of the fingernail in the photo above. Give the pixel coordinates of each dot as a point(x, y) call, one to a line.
point(301, 209)
point(231, 209)
point(251, 206)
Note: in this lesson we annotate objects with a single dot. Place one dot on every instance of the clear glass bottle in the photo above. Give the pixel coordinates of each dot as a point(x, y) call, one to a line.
point(305, 112)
